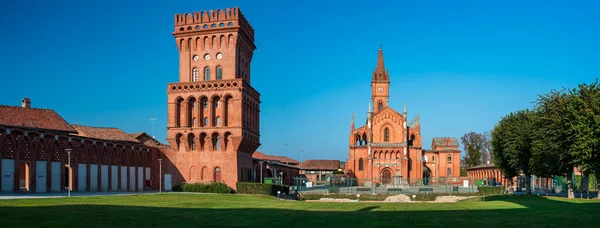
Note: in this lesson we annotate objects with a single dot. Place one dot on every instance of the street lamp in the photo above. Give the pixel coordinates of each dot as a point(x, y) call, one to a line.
point(261, 171)
point(70, 176)
point(160, 175)
point(280, 178)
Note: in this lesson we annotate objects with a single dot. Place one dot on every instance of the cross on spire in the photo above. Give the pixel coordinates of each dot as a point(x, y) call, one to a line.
point(380, 46)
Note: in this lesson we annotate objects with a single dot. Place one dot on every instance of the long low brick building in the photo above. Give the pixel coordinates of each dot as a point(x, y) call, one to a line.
point(34, 145)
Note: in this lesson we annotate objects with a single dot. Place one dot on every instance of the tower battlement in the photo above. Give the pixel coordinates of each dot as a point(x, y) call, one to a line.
point(212, 19)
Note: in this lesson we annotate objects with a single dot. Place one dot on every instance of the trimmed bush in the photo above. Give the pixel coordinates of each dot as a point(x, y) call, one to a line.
point(260, 188)
point(177, 188)
point(334, 190)
point(216, 187)
point(484, 190)
point(378, 197)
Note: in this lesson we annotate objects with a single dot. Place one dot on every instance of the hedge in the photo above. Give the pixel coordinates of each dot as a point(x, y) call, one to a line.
point(260, 188)
point(487, 190)
point(216, 187)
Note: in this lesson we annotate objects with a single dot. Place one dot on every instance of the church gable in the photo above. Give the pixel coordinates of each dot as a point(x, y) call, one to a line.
point(388, 115)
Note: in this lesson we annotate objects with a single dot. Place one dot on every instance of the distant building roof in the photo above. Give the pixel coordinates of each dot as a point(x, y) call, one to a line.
point(34, 118)
point(491, 165)
point(320, 165)
point(445, 141)
point(110, 134)
point(148, 140)
point(281, 159)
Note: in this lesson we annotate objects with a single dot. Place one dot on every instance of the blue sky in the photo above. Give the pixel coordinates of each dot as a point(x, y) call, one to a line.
point(461, 64)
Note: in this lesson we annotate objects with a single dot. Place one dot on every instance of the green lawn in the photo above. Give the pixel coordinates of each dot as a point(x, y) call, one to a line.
point(195, 210)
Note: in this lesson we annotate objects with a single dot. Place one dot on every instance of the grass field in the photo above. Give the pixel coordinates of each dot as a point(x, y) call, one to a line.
point(208, 210)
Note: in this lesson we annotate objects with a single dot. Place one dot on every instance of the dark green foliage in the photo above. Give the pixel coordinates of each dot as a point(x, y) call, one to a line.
point(334, 190)
point(496, 190)
point(177, 188)
point(216, 187)
point(259, 188)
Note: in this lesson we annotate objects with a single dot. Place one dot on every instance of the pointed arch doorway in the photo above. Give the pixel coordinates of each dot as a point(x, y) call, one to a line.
point(386, 176)
point(426, 175)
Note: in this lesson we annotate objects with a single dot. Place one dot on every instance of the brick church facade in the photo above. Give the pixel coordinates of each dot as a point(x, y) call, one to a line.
point(213, 111)
point(389, 148)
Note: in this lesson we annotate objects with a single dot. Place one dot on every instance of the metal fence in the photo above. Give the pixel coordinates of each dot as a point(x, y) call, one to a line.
point(337, 184)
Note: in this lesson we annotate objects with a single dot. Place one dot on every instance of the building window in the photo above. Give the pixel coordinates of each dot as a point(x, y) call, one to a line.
point(195, 74)
point(449, 159)
point(432, 158)
point(449, 171)
point(192, 142)
point(218, 121)
point(219, 72)
point(206, 73)
point(194, 121)
point(379, 105)
point(194, 105)
point(205, 104)
point(217, 144)
point(386, 135)
point(217, 176)
point(218, 103)
point(205, 121)
point(360, 164)
point(409, 164)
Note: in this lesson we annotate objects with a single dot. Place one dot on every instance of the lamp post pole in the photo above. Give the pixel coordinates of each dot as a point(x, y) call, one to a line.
point(160, 175)
point(70, 176)
point(301, 160)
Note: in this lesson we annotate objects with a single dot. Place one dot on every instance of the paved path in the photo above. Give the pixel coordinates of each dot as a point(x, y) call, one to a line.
point(5, 196)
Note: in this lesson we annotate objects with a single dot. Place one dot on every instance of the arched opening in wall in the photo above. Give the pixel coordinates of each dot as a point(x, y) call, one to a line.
point(191, 104)
point(218, 121)
point(178, 107)
point(223, 41)
point(219, 72)
point(217, 175)
point(385, 156)
point(426, 175)
point(206, 73)
point(268, 173)
point(226, 103)
point(206, 43)
point(386, 134)
point(386, 176)
point(191, 142)
point(449, 159)
point(379, 105)
point(449, 172)
point(361, 164)
point(203, 173)
point(202, 138)
point(364, 138)
point(226, 139)
point(214, 42)
point(205, 121)
point(195, 74)
point(202, 109)
point(216, 104)
point(216, 142)
point(178, 141)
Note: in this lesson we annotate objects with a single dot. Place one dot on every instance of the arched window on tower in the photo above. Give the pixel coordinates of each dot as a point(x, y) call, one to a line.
point(449, 172)
point(205, 122)
point(218, 121)
point(449, 159)
point(219, 72)
point(360, 164)
point(206, 73)
point(379, 106)
point(386, 134)
point(195, 74)
point(194, 122)
point(217, 176)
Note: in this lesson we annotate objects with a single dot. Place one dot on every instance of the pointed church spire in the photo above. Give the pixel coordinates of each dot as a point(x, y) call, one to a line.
point(380, 73)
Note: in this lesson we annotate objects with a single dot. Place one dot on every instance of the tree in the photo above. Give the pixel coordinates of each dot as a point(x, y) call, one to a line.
point(551, 141)
point(476, 147)
point(500, 153)
point(583, 128)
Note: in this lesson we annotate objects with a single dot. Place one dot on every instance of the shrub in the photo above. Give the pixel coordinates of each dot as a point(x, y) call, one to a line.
point(260, 188)
point(497, 190)
point(177, 188)
point(216, 187)
point(334, 190)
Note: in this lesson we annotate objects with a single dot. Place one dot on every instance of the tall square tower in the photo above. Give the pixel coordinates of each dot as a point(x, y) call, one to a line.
point(213, 122)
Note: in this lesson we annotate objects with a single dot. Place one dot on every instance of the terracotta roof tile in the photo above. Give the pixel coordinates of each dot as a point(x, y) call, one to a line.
point(35, 118)
point(445, 141)
point(110, 134)
point(281, 159)
point(321, 164)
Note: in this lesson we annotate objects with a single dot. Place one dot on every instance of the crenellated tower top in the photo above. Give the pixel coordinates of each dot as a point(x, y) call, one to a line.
point(212, 19)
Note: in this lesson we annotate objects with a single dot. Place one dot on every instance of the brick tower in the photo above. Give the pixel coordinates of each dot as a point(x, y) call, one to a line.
point(380, 84)
point(213, 123)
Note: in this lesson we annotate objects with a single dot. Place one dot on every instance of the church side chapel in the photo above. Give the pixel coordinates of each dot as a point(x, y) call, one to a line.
point(388, 149)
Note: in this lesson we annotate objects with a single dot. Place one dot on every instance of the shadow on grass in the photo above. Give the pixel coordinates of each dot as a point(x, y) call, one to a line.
point(497, 211)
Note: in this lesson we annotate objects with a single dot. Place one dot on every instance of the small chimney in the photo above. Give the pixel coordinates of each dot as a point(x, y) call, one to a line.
point(26, 103)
